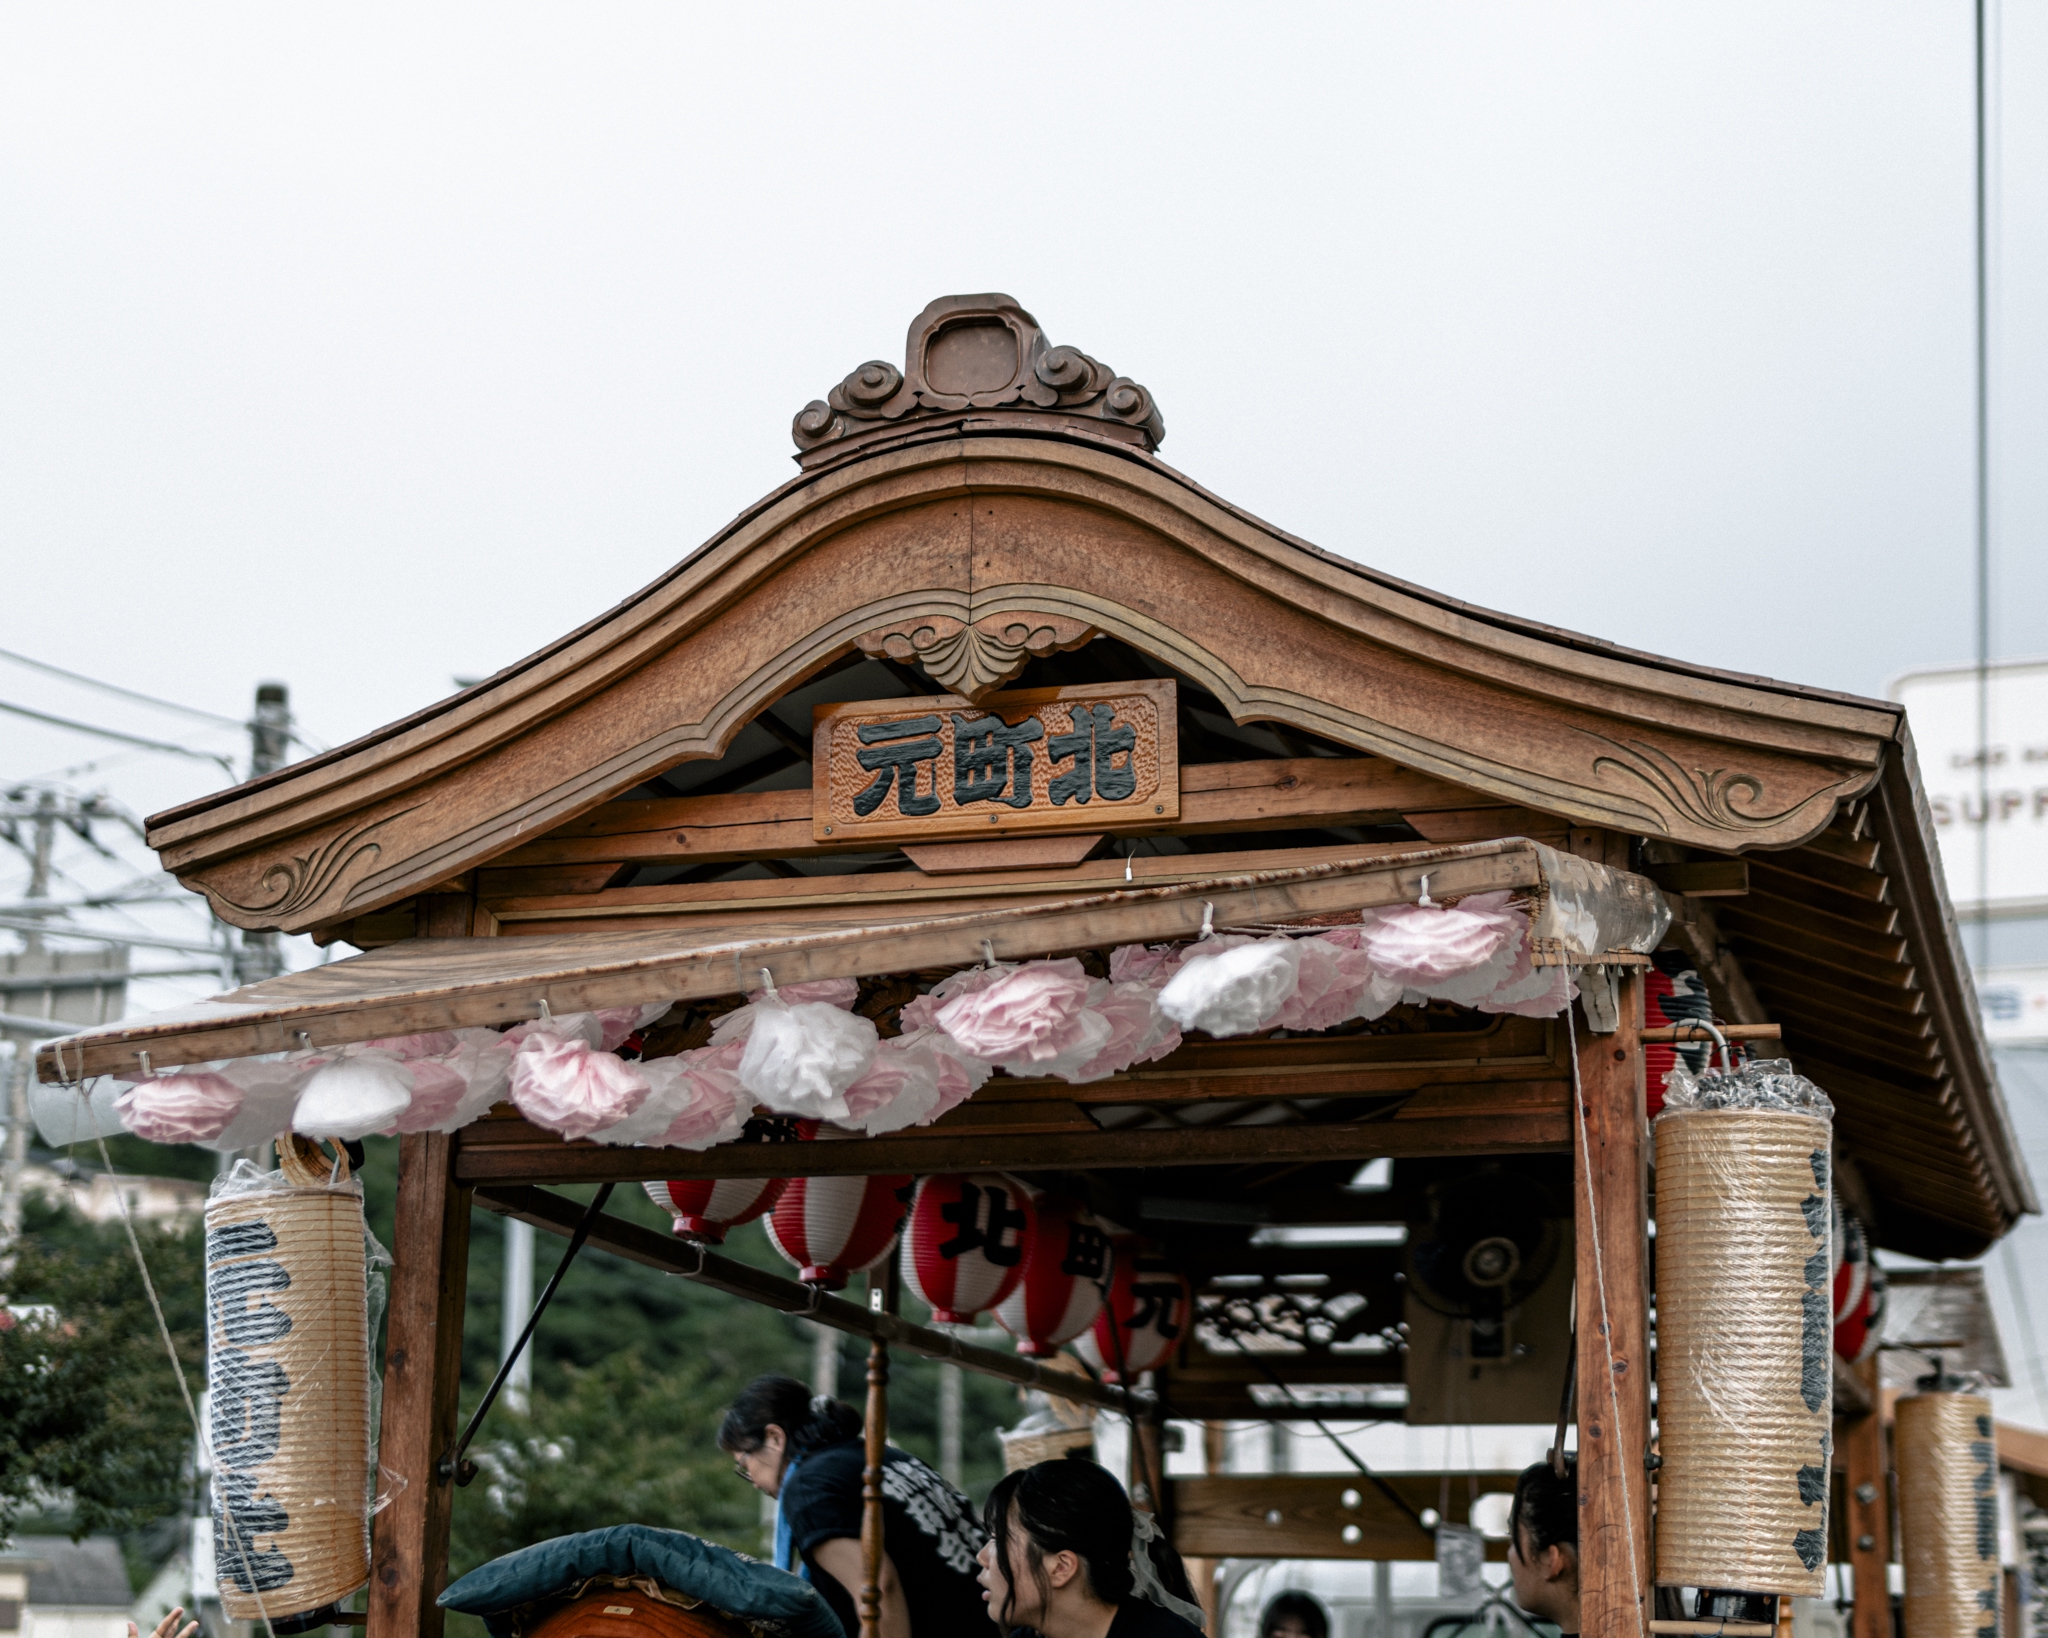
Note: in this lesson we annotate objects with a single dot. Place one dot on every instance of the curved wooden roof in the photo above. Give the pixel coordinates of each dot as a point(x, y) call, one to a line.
point(968, 530)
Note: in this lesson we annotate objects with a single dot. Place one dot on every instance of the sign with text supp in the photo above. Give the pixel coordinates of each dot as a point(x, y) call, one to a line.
point(1103, 756)
point(1993, 829)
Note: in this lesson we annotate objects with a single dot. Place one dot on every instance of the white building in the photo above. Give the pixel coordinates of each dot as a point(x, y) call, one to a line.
point(53, 1587)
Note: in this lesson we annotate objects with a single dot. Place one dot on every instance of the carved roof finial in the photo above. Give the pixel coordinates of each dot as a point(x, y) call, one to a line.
point(978, 354)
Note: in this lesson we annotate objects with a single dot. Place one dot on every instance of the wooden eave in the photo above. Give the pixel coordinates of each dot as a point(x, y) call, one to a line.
point(994, 529)
point(1066, 537)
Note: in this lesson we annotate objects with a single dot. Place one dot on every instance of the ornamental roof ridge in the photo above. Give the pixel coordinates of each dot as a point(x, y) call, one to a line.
point(986, 356)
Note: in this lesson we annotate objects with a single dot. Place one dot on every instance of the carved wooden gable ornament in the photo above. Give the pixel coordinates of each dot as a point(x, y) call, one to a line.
point(994, 499)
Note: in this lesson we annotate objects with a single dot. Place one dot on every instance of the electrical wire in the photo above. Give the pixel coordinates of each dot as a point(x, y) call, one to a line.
point(125, 693)
point(77, 727)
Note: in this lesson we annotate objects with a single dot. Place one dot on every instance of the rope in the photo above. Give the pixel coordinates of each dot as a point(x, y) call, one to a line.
point(163, 1328)
point(1628, 1511)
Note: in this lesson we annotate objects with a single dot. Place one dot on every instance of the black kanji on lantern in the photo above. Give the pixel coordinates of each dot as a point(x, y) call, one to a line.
point(1096, 739)
point(983, 1231)
point(1153, 1303)
point(992, 757)
point(1087, 1252)
point(894, 751)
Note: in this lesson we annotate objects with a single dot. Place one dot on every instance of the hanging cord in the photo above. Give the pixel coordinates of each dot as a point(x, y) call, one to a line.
point(1350, 1455)
point(163, 1328)
point(1138, 1451)
point(456, 1465)
point(1628, 1510)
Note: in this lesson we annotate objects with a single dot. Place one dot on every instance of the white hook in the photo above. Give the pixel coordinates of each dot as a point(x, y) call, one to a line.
point(305, 1039)
point(768, 983)
point(546, 1014)
point(1426, 902)
point(988, 952)
point(1208, 922)
point(148, 1074)
point(1127, 867)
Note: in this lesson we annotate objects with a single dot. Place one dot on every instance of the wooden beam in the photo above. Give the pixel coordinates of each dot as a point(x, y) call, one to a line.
point(1868, 1524)
point(1300, 1515)
point(1703, 878)
point(1284, 794)
point(422, 1382)
point(560, 1215)
point(1609, 1171)
point(945, 1149)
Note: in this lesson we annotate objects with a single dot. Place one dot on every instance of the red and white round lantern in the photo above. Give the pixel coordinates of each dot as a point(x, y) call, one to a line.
point(705, 1208)
point(964, 1246)
point(833, 1227)
point(1144, 1317)
point(1066, 1270)
point(1859, 1290)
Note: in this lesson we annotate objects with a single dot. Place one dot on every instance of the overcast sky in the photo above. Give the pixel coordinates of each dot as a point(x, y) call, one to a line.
point(369, 348)
point(365, 351)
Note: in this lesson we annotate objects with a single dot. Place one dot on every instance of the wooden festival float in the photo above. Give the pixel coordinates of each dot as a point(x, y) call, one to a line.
point(990, 690)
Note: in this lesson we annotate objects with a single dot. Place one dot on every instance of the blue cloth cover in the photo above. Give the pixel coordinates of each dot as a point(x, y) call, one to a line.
point(758, 1593)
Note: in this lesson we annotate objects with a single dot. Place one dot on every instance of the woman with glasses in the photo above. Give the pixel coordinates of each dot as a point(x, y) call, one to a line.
point(809, 1455)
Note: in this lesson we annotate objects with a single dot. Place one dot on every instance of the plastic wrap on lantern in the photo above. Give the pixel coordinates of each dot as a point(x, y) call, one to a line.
point(289, 1372)
point(1947, 1459)
point(1066, 1269)
point(1143, 1317)
point(832, 1228)
point(963, 1247)
point(706, 1208)
point(1744, 1331)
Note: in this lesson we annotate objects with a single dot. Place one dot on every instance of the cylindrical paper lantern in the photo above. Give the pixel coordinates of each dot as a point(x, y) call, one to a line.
point(1744, 1329)
point(289, 1372)
point(1066, 1268)
point(963, 1248)
point(1148, 1308)
point(705, 1208)
point(1948, 1514)
point(833, 1227)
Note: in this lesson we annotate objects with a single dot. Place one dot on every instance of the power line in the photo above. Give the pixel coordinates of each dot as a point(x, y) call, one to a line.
point(125, 693)
point(116, 734)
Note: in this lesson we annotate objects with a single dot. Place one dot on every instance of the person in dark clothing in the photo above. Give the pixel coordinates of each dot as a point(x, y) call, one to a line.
point(1067, 1556)
point(1294, 1615)
point(808, 1454)
point(1543, 1544)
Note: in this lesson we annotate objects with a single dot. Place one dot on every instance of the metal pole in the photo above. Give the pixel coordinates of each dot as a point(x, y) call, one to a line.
point(824, 1360)
point(952, 1401)
point(512, 1312)
point(1983, 475)
point(270, 728)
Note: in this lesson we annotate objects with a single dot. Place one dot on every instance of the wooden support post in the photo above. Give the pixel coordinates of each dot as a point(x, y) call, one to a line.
point(422, 1384)
point(1867, 1481)
point(1609, 1160)
point(871, 1541)
point(885, 1293)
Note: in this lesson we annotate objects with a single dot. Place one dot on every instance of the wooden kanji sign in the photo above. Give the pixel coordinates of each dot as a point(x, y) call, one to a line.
point(1104, 756)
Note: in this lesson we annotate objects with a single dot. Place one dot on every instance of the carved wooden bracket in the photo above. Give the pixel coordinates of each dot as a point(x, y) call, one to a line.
point(974, 659)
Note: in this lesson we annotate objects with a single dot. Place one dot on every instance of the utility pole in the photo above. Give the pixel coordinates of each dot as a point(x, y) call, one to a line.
point(270, 733)
point(20, 1067)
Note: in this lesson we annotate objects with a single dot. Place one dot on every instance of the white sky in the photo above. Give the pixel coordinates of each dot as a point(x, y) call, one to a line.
point(364, 348)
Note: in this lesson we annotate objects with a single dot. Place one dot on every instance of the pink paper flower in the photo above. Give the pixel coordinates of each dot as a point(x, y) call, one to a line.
point(923, 1012)
point(1024, 1016)
point(184, 1108)
point(1139, 1032)
point(564, 1085)
point(1135, 963)
point(1444, 954)
point(438, 1088)
point(718, 1107)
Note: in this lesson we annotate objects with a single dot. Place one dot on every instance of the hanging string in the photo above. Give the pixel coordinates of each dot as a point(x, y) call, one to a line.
point(1628, 1511)
point(163, 1328)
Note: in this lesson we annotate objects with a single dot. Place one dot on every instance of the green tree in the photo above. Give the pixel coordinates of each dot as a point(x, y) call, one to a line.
point(91, 1420)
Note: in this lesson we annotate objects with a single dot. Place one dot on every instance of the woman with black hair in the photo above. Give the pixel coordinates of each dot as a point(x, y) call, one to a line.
point(1543, 1543)
point(808, 1454)
point(1294, 1615)
point(1067, 1556)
